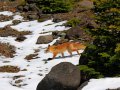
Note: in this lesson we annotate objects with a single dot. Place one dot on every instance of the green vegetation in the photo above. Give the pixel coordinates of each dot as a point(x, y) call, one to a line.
point(55, 6)
point(103, 55)
point(22, 2)
point(89, 72)
point(73, 22)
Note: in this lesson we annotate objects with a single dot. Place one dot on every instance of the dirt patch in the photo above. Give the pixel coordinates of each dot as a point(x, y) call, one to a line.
point(7, 50)
point(8, 31)
point(9, 69)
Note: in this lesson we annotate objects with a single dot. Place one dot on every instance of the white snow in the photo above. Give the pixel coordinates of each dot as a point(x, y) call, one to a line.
point(15, 17)
point(3, 24)
point(36, 68)
point(103, 84)
point(8, 13)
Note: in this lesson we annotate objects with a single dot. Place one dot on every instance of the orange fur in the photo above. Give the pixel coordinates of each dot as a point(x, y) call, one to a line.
point(68, 46)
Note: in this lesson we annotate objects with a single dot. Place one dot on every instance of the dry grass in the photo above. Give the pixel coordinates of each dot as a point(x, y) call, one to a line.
point(31, 56)
point(7, 50)
point(9, 69)
point(5, 18)
point(10, 5)
point(8, 31)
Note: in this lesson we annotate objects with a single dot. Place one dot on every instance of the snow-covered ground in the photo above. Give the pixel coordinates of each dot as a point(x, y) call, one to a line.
point(38, 68)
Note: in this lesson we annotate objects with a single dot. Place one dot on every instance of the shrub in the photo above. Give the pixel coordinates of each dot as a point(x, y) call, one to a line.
point(89, 72)
point(55, 6)
point(104, 56)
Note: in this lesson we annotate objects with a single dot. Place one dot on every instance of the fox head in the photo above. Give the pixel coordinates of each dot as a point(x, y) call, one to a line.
point(48, 49)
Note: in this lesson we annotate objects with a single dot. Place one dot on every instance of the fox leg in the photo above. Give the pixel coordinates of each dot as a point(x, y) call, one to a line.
point(70, 52)
point(54, 55)
point(78, 52)
point(62, 54)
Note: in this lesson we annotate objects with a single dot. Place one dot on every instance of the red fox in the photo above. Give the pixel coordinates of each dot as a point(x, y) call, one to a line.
point(68, 46)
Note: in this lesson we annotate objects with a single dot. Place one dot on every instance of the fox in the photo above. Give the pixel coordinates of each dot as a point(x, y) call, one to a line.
point(61, 48)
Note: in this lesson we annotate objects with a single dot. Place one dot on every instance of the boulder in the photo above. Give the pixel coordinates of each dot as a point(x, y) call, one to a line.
point(45, 39)
point(64, 76)
point(75, 32)
point(20, 38)
point(78, 34)
point(15, 22)
point(32, 17)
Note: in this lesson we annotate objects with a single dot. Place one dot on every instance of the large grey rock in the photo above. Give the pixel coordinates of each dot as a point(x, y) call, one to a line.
point(32, 16)
point(76, 33)
point(64, 76)
point(45, 39)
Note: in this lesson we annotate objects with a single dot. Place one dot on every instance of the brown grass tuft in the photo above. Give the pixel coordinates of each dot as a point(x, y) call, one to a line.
point(9, 69)
point(8, 31)
point(7, 50)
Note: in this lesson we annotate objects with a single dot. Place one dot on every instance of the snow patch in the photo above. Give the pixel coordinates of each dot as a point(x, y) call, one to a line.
point(8, 13)
point(103, 84)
